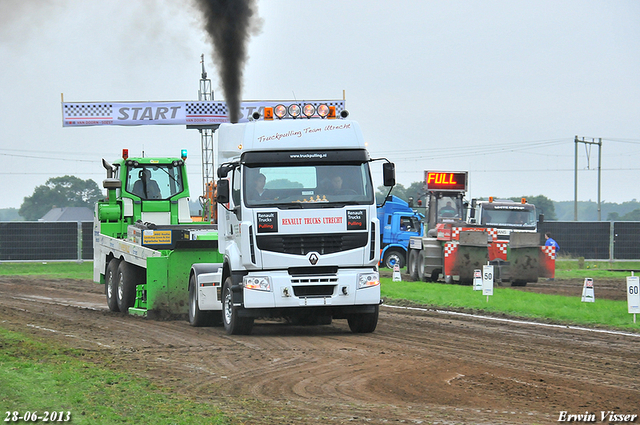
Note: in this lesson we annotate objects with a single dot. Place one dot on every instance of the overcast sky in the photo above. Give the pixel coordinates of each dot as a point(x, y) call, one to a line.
point(496, 88)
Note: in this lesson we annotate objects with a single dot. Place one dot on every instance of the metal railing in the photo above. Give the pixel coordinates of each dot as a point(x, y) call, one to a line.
point(46, 241)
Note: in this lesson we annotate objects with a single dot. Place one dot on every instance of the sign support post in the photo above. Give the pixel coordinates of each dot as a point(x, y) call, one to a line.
point(487, 281)
point(633, 295)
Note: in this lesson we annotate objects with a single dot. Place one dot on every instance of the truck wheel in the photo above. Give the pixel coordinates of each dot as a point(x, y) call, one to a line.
point(128, 278)
point(363, 323)
point(198, 317)
point(393, 257)
point(233, 324)
point(412, 264)
point(435, 274)
point(111, 284)
point(422, 276)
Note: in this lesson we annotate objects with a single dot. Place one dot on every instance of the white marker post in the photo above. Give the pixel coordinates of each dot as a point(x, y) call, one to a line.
point(487, 281)
point(633, 295)
point(396, 273)
point(587, 291)
point(477, 280)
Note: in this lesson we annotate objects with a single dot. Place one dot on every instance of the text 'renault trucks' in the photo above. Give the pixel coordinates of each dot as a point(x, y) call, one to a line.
point(455, 245)
point(297, 234)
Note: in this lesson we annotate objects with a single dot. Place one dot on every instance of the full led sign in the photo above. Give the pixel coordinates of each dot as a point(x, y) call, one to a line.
point(438, 180)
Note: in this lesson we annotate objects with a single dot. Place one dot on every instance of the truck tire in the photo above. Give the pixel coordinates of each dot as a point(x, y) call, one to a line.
point(198, 317)
point(233, 324)
point(111, 284)
point(128, 279)
point(422, 276)
point(364, 322)
point(435, 275)
point(412, 264)
point(393, 257)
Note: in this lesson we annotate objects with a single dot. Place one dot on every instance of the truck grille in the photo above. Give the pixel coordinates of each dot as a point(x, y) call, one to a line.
point(304, 244)
point(313, 290)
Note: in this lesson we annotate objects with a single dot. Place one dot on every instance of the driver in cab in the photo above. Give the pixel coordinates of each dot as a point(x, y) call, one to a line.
point(447, 211)
point(145, 187)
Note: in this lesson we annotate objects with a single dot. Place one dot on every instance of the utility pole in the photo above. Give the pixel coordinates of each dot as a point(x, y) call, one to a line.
point(205, 93)
point(575, 178)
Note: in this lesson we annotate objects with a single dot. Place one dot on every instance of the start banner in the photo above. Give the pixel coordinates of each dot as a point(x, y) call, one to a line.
point(78, 114)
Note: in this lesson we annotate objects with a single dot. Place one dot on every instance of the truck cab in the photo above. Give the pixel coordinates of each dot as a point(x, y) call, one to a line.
point(147, 190)
point(398, 223)
point(298, 225)
point(504, 215)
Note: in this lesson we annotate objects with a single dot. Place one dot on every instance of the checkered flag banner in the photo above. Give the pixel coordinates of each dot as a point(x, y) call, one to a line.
point(168, 113)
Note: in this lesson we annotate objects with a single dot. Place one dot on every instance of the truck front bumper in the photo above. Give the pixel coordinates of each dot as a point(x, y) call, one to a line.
point(340, 290)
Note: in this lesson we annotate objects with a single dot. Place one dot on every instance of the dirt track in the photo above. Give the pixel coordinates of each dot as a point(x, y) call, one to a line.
point(419, 366)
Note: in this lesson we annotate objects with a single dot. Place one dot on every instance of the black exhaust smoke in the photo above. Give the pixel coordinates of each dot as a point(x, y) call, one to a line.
point(229, 23)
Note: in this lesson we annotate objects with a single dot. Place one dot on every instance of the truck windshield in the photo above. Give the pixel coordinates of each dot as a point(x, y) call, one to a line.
point(308, 185)
point(154, 181)
point(449, 209)
point(508, 216)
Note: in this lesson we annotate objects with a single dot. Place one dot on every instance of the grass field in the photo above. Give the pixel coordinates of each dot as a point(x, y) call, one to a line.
point(55, 270)
point(570, 269)
point(554, 308)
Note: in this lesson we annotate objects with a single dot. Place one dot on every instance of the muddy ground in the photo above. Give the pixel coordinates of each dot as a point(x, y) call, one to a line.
point(419, 366)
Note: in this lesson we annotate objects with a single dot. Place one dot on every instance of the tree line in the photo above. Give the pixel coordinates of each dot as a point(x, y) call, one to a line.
point(60, 192)
point(71, 191)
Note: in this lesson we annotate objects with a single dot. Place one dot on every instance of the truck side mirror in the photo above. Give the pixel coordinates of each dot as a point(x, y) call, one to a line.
point(223, 171)
point(389, 174)
point(541, 219)
point(222, 191)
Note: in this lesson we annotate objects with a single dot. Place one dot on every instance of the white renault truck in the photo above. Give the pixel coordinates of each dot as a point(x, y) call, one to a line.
point(297, 223)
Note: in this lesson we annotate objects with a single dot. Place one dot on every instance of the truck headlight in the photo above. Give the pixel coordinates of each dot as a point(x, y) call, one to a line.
point(260, 283)
point(366, 280)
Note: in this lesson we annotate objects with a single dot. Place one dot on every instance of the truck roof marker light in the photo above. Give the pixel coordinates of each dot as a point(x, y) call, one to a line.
point(125, 153)
point(268, 113)
point(309, 110)
point(294, 110)
point(240, 147)
point(183, 154)
point(523, 200)
point(280, 111)
point(490, 198)
point(323, 110)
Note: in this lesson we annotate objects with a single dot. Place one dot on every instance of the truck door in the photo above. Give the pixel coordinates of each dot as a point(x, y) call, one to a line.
point(233, 223)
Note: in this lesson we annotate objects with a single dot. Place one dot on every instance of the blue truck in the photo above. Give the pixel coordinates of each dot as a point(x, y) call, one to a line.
point(398, 223)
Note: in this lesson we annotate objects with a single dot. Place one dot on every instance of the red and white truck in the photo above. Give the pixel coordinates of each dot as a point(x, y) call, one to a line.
point(455, 243)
